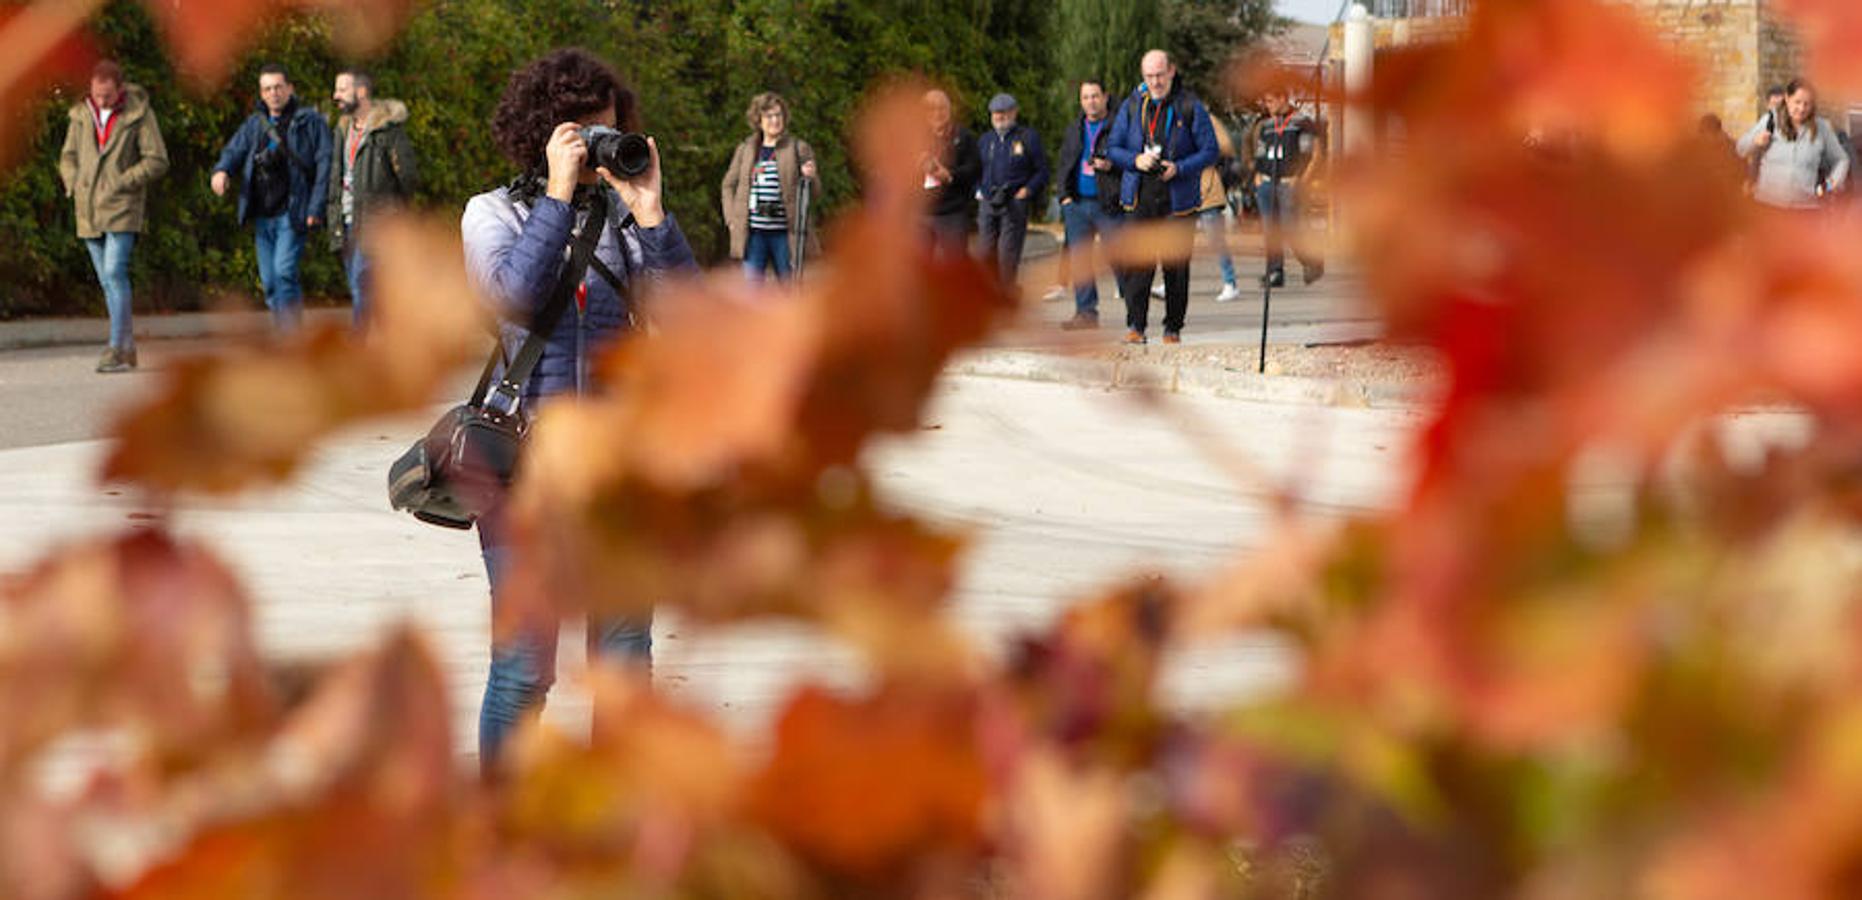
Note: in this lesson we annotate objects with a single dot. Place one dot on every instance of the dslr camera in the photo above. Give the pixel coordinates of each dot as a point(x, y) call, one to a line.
point(623, 153)
point(1000, 194)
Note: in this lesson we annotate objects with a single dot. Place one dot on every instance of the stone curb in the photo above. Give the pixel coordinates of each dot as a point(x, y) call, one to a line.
point(66, 331)
point(1205, 381)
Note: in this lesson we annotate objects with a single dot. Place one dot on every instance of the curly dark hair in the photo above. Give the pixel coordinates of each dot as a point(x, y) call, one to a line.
point(561, 86)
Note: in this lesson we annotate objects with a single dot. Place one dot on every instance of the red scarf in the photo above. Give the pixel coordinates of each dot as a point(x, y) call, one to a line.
point(102, 127)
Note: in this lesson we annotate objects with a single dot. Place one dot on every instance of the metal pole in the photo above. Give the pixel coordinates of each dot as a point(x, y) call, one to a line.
point(801, 221)
point(1267, 281)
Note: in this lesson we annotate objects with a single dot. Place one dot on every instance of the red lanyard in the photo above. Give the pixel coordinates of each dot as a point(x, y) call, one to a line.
point(1152, 114)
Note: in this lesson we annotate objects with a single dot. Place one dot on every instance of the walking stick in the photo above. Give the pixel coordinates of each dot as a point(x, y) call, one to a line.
point(1267, 283)
point(801, 218)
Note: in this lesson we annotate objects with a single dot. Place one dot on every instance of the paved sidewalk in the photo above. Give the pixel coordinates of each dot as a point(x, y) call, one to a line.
point(1065, 490)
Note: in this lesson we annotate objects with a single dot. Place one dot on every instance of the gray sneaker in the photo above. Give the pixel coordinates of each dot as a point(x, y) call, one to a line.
point(115, 360)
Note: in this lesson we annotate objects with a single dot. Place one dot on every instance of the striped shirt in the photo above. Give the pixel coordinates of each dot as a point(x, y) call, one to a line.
point(766, 193)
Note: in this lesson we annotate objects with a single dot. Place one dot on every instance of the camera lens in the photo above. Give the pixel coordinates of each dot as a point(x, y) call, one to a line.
point(624, 154)
point(632, 155)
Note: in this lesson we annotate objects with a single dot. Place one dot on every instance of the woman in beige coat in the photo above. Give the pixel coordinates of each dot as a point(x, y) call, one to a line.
point(113, 149)
point(761, 190)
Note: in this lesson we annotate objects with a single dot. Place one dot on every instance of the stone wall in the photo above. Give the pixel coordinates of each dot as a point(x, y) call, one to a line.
point(1739, 46)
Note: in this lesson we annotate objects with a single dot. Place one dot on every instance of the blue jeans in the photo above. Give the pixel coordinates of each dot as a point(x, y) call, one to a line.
point(523, 666)
point(280, 244)
point(1217, 231)
point(766, 250)
point(356, 267)
point(1280, 214)
point(1084, 219)
point(110, 259)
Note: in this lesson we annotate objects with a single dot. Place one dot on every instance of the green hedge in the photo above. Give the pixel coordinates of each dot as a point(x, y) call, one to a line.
point(695, 63)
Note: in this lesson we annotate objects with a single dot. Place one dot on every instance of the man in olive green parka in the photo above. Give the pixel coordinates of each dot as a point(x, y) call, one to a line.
point(113, 150)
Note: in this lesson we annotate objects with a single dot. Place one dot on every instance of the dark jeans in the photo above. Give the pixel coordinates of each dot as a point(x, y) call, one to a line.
point(523, 665)
point(1085, 219)
point(1280, 216)
point(1002, 231)
point(356, 267)
point(1136, 283)
point(766, 250)
point(950, 235)
point(280, 245)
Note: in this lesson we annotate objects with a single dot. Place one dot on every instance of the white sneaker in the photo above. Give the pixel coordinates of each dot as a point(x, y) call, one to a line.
point(1157, 290)
point(1055, 293)
point(1230, 293)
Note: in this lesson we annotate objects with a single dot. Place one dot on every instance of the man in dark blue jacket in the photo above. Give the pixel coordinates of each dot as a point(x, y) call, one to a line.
point(281, 154)
point(1089, 197)
point(1014, 171)
point(1162, 140)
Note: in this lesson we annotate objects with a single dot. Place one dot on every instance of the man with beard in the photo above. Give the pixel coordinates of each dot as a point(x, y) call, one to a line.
point(373, 171)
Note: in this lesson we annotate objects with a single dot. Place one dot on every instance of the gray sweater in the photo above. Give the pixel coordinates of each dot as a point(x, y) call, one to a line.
point(1788, 169)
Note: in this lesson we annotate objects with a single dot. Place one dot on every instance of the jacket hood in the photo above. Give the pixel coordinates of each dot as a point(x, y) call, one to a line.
point(135, 103)
point(382, 113)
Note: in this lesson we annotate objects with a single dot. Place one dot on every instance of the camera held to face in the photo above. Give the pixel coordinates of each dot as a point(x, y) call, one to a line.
point(625, 154)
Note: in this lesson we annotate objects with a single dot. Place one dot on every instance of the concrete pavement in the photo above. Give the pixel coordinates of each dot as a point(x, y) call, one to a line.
point(1066, 490)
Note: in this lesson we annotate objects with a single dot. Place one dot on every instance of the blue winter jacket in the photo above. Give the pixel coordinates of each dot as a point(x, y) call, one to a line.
point(308, 136)
point(1190, 143)
point(514, 253)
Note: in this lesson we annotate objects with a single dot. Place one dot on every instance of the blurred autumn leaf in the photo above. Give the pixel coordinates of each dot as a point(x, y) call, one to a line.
point(248, 416)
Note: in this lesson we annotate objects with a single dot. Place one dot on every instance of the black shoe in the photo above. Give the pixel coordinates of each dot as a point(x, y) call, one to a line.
point(1274, 279)
point(1313, 272)
point(1080, 322)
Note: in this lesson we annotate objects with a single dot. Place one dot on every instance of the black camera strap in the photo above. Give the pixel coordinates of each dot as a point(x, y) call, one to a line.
point(581, 254)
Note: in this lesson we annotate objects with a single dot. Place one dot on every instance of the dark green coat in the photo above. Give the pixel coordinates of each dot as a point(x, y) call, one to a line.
point(385, 174)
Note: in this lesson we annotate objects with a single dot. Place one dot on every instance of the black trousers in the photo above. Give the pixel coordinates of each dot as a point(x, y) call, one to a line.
point(950, 234)
point(1003, 230)
point(1135, 283)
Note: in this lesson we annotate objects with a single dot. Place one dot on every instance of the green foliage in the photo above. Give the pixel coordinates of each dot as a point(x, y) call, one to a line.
point(1203, 36)
point(694, 63)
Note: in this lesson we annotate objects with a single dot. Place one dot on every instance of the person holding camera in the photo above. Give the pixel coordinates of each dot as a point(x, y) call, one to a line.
point(113, 150)
point(1014, 171)
point(557, 122)
point(282, 156)
point(761, 192)
point(1088, 198)
point(1800, 160)
point(950, 177)
point(1285, 143)
point(1161, 140)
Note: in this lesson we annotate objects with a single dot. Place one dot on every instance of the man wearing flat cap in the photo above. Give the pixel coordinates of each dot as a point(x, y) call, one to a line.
point(1014, 171)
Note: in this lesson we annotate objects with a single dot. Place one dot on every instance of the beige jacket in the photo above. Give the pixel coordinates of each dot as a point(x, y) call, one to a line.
point(1214, 196)
point(791, 153)
point(109, 185)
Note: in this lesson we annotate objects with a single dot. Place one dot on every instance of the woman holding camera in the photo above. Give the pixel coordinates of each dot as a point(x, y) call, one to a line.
point(761, 191)
point(516, 240)
point(1800, 160)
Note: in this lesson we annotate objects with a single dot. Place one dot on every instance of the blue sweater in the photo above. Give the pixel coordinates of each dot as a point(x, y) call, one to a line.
point(1186, 135)
point(514, 254)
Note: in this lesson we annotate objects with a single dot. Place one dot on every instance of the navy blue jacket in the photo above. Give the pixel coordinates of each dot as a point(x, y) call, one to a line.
point(308, 136)
point(1014, 159)
point(514, 252)
point(1189, 142)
